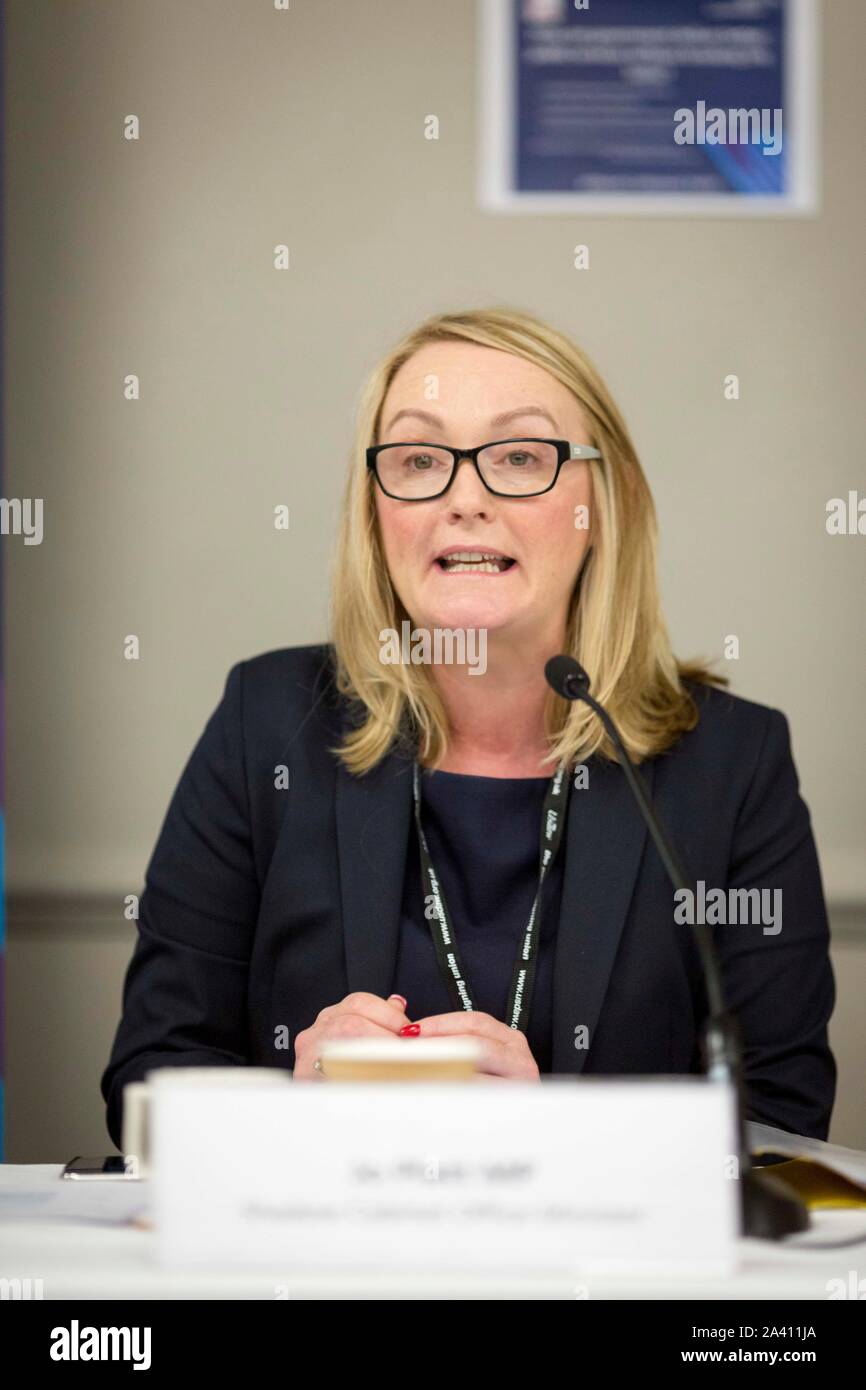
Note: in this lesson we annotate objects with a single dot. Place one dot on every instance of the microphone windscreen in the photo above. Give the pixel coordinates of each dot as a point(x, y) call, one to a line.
point(563, 674)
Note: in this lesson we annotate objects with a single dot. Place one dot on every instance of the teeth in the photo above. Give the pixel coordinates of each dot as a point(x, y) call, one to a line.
point(474, 562)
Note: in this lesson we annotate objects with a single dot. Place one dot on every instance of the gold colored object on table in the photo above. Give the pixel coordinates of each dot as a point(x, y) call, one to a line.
point(400, 1059)
point(818, 1186)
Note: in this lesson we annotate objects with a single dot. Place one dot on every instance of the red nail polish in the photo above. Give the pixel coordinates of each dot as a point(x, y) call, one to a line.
point(411, 1030)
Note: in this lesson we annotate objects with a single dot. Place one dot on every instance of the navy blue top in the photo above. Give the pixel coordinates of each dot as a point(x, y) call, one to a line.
point(483, 834)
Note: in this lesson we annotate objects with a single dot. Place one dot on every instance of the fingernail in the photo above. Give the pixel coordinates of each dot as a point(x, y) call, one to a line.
point(398, 996)
point(411, 1030)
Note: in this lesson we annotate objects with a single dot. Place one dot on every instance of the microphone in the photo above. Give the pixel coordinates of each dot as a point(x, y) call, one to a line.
point(769, 1209)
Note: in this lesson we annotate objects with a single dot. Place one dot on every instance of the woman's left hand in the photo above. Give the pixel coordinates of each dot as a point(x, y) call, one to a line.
point(504, 1051)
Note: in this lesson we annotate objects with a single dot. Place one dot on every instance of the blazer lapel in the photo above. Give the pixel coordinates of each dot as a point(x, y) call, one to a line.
point(604, 843)
point(373, 816)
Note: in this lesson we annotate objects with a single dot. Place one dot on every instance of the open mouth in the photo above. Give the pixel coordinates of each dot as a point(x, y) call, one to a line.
point(475, 562)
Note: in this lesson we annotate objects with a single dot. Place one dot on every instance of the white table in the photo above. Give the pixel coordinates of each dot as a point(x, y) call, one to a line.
point(77, 1259)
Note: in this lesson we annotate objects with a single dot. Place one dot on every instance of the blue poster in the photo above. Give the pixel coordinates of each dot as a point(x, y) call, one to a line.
point(693, 106)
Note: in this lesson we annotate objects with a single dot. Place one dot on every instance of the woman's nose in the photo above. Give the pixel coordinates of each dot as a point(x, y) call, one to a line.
point(467, 492)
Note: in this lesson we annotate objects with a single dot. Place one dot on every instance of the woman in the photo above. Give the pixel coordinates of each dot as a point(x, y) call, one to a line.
point(288, 902)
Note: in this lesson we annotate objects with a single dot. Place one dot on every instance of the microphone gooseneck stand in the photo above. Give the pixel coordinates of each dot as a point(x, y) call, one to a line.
point(769, 1209)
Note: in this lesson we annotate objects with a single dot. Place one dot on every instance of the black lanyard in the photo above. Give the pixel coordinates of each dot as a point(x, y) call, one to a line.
point(444, 940)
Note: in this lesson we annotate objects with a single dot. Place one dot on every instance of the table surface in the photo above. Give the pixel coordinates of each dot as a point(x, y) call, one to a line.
point(83, 1259)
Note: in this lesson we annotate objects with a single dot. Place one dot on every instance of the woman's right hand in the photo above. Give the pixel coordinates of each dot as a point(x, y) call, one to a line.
point(357, 1016)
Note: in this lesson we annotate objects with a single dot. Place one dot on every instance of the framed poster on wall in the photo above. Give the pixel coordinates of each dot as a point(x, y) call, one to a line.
point(694, 107)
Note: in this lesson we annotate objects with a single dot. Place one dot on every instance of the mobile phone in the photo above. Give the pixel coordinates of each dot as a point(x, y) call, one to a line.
point(113, 1166)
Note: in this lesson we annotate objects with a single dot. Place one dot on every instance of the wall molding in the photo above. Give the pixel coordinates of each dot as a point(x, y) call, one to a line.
point(61, 914)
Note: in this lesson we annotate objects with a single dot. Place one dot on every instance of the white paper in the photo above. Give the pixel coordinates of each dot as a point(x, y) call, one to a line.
point(851, 1163)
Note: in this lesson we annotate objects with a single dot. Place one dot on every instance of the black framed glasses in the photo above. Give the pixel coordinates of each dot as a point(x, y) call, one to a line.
point(507, 467)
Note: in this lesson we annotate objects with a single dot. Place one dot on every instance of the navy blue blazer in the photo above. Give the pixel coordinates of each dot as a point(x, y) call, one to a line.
point(263, 904)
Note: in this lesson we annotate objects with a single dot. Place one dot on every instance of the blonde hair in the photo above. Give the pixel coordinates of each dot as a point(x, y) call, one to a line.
point(615, 626)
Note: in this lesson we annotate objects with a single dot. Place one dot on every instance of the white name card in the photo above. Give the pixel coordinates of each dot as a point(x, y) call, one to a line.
point(566, 1175)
